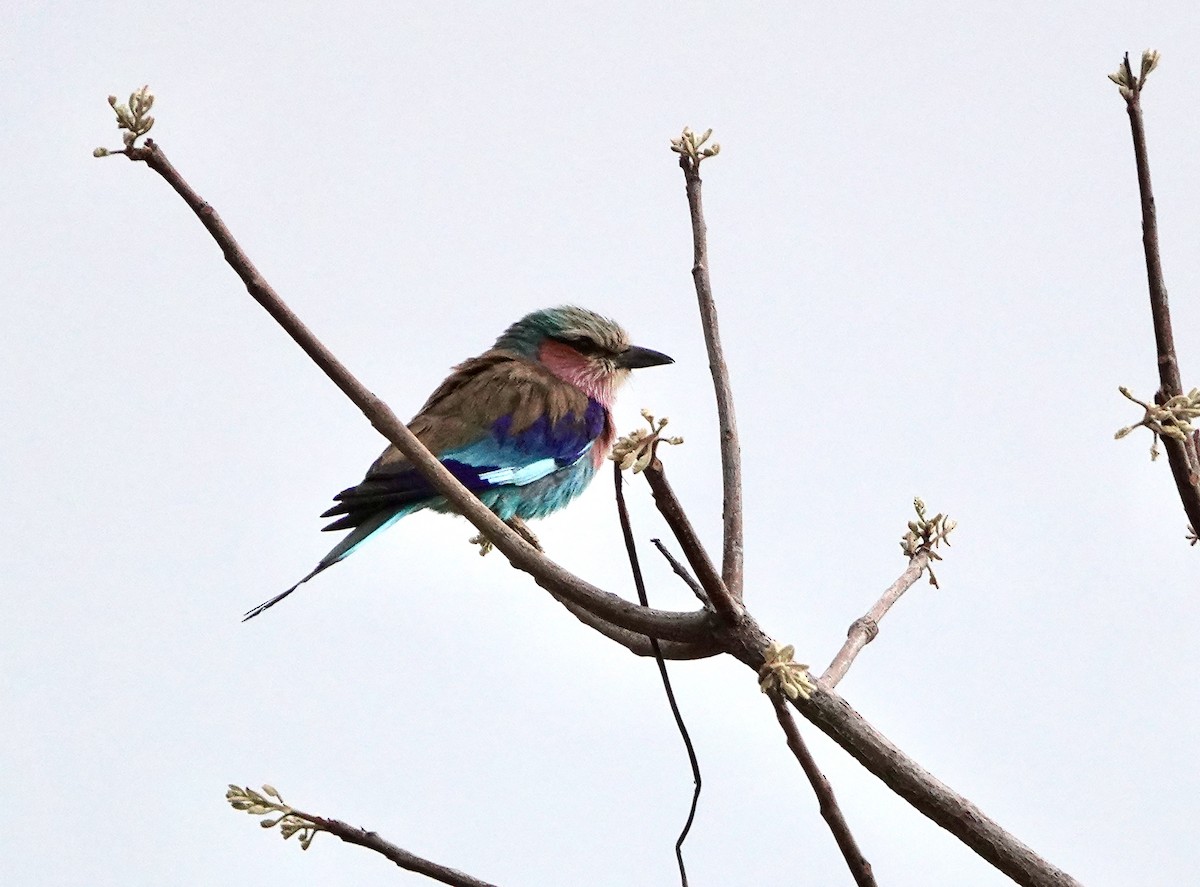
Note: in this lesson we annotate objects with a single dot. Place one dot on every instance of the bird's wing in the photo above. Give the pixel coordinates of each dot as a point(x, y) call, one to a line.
point(498, 420)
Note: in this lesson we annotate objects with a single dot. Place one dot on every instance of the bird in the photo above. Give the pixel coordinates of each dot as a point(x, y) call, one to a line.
point(524, 426)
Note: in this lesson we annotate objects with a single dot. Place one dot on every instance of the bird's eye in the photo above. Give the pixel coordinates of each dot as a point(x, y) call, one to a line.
point(581, 344)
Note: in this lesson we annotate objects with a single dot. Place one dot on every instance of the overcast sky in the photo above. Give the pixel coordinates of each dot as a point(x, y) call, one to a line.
point(926, 253)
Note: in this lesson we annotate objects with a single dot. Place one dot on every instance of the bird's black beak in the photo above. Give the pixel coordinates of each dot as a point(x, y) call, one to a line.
point(633, 358)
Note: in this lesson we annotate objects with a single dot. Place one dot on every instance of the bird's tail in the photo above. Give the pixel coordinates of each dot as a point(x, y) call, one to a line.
point(341, 551)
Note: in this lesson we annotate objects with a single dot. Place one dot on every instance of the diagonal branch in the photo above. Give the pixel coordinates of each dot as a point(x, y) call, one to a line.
point(669, 625)
point(833, 716)
point(731, 451)
point(681, 571)
point(1181, 454)
point(296, 823)
point(373, 841)
point(864, 629)
point(830, 811)
point(728, 608)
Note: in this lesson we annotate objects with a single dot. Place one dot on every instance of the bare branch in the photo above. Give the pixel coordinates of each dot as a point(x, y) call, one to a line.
point(688, 146)
point(688, 627)
point(828, 805)
point(864, 629)
point(1181, 454)
point(636, 567)
point(401, 857)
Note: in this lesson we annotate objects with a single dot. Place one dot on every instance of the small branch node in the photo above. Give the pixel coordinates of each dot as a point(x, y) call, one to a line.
point(867, 626)
point(781, 673)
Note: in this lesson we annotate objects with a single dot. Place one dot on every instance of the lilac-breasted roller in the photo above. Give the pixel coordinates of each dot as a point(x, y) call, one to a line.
point(524, 426)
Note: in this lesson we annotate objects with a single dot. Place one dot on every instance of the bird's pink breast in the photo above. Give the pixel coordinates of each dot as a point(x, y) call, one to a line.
point(592, 379)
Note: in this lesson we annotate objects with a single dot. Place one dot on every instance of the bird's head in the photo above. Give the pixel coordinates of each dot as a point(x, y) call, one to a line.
point(579, 346)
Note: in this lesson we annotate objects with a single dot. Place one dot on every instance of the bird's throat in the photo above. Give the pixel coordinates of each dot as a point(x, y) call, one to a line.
point(593, 377)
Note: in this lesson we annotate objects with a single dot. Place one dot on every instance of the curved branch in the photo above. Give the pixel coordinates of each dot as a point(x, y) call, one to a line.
point(639, 644)
point(669, 625)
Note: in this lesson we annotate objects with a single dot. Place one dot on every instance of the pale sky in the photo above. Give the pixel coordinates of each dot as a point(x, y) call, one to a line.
point(926, 254)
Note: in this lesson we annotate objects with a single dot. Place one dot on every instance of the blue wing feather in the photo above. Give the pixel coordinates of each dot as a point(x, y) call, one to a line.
point(498, 460)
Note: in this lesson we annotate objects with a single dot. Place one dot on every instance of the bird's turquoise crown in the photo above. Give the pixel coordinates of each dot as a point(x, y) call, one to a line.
point(567, 323)
point(586, 331)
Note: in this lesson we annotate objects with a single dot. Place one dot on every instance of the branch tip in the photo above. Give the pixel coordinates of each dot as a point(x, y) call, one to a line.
point(690, 146)
point(639, 448)
point(291, 822)
point(133, 119)
point(1131, 86)
point(926, 534)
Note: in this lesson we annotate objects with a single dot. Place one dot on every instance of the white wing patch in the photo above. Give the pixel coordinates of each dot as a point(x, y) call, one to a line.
point(527, 474)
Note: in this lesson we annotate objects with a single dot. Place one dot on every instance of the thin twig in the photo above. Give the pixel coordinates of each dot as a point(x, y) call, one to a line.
point(681, 571)
point(1180, 454)
point(731, 452)
point(724, 604)
point(864, 629)
point(635, 565)
point(688, 627)
point(830, 811)
point(372, 841)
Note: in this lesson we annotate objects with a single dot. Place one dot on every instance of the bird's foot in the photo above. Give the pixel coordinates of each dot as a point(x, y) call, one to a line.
point(516, 524)
point(524, 532)
point(485, 544)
